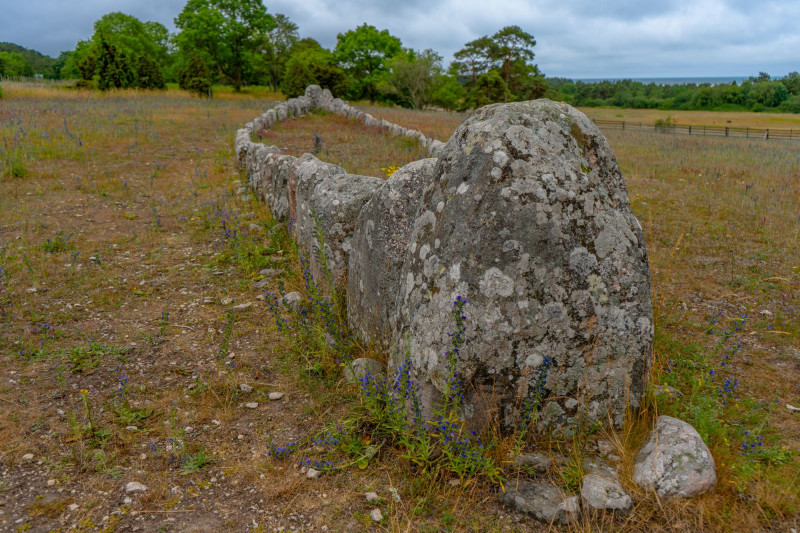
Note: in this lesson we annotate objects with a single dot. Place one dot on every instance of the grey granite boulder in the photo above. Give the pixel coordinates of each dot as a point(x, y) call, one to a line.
point(275, 188)
point(314, 95)
point(328, 221)
point(602, 491)
point(378, 250)
point(304, 175)
point(258, 167)
point(675, 461)
point(326, 100)
point(241, 145)
point(544, 501)
point(528, 218)
point(356, 369)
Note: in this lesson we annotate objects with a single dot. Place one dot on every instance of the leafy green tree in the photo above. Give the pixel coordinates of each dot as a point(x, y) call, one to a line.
point(195, 76)
point(412, 77)
point(475, 58)
point(131, 36)
point(490, 88)
point(792, 82)
point(512, 45)
point(225, 33)
point(310, 64)
point(114, 68)
point(276, 50)
point(447, 92)
point(15, 64)
point(148, 74)
point(363, 53)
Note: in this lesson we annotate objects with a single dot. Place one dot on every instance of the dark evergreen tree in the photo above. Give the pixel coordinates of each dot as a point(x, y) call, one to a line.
point(195, 76)
point(114, 68)
point(148, 74)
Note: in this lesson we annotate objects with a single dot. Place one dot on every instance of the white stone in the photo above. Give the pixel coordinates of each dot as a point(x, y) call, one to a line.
point(376, 515)
point(675, 461)
point(275, 396)
point(251, 405)
point(135, 486)
point(372, 496)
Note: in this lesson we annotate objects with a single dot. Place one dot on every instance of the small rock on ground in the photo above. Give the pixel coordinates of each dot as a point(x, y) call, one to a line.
point(544, 501)
point(245, 388)
point(251, 405)
point(135, 486)
point(376, 515)
point(292, 298)
point(675, 461)
point(372, 496)
point(27, 457)
point(602, 491)
point(313, 474)
point(275, 395)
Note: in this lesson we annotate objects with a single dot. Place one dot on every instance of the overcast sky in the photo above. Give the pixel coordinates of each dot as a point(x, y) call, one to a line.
point(575, 38)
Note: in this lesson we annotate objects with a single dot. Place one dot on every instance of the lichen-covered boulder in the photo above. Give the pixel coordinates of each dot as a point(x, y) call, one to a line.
point(314, 94)
point(378, 250)
point(545, 501)
point(675, 461)
point(328, 222)
point(528, 218)
point(275, 184)
point(241, 144)
point(258, 171)
point(304, 175)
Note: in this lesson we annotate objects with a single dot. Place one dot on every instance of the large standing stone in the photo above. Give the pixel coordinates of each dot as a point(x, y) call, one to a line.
point(675, 461)
point(378, 250)
point(528, 218)
point(275, 184)
point(544, 501)
point(304, 175)
point(331, 213)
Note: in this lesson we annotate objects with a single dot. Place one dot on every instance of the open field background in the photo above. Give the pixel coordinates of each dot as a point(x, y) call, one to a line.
point(126, 246)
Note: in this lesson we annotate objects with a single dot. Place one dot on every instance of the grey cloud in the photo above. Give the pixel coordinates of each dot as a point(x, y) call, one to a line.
point(575, 38)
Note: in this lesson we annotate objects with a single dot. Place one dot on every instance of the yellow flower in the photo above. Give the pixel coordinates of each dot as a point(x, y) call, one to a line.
point(84, 391)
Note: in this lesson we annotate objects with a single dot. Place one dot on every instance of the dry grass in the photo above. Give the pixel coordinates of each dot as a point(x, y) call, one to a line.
point(740, 119)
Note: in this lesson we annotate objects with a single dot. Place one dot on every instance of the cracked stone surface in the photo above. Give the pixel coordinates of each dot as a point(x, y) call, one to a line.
point(528, 217)
point(544, 501)
point(378, 250)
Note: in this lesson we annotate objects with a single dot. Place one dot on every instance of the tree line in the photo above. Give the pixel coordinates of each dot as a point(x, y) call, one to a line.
point(758, 93)
point(238, 43)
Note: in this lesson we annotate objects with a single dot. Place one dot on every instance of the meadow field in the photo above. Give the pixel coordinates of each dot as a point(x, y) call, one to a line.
point(137, 346)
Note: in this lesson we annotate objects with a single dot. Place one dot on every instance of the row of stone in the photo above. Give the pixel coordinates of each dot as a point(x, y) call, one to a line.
point(525, 214)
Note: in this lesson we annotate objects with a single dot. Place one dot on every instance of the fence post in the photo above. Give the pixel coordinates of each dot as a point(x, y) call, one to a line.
point(690, 129)
point(726, 131)
point(623, 124)
point(747, 133)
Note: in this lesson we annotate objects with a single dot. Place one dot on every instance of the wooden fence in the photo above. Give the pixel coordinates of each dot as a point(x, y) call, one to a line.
point(706, 131)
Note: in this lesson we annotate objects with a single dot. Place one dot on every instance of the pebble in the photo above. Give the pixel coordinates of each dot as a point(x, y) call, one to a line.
point(275, 395)
point(376, 515)
point(313, 474)
point(143, 456)
point(51, 482)
point(227, 301)
point(127, 500)
point(372, 496)
point(135, 486)
point(245, 388)
point(73, 507)
point(27, 457)
point(252, 405)
point(242, 307)
point(131, 428)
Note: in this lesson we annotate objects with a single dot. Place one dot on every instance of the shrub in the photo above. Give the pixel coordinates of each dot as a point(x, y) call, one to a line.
point(195, 76)
point(148, 74)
